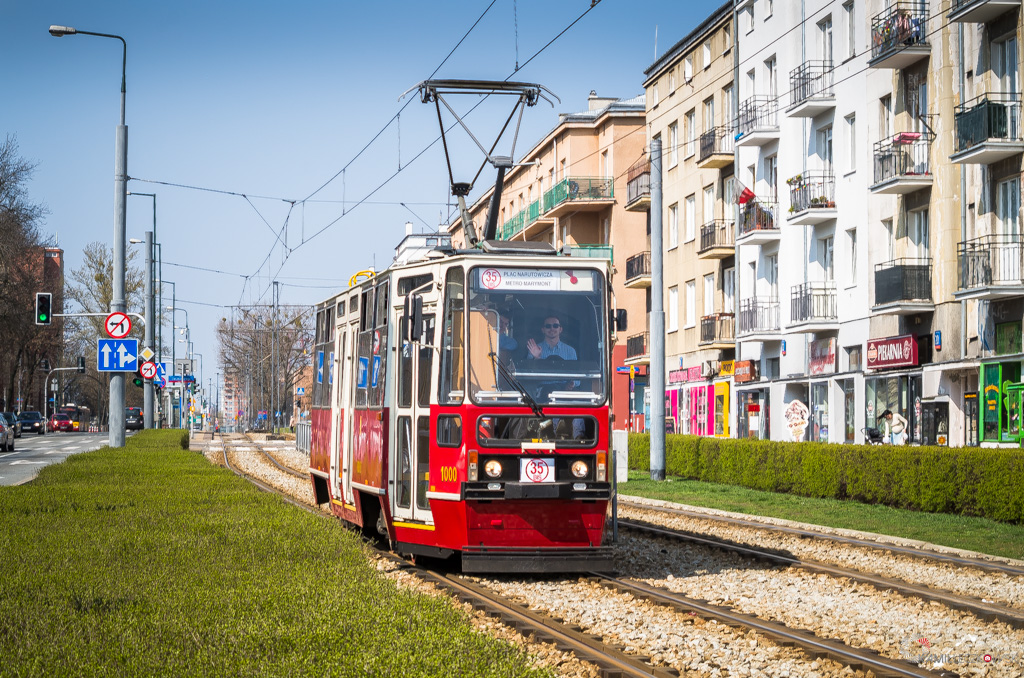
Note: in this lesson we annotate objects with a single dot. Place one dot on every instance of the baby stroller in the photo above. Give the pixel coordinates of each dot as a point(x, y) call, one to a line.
point(873, 436)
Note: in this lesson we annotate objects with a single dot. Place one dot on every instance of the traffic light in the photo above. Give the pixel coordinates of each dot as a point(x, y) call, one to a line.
point(137, 381)
point(81, 364)
point(44, 364)
point(44, 301)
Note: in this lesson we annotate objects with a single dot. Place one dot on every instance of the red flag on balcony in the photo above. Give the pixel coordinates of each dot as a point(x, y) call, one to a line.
point(745, 196)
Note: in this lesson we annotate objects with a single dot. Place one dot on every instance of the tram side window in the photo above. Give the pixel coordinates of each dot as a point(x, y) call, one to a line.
point(379, 361)
point(422, 461)
point(364, 359)
point(329, 325)
point(366, 319)
point(341, 309)
point(353, 303)
point(405, 462)
point(452, 384)
point(426, 361)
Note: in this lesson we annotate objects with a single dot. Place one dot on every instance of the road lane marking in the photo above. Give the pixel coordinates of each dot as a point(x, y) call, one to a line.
point(26, 461)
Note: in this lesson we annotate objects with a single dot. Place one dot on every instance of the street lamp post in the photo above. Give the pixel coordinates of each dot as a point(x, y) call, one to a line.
point(117, 303)
point(151, 275)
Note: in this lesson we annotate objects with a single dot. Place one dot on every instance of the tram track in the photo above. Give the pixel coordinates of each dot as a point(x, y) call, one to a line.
point(608, 655)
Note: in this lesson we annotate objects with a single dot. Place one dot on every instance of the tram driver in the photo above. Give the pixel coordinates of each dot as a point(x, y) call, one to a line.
point(553, 346)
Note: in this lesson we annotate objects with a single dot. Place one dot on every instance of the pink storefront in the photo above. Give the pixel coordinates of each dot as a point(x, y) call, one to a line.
point(697, 407)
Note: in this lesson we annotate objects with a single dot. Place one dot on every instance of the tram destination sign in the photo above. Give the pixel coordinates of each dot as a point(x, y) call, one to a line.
point(535, 280)
point(898, 351)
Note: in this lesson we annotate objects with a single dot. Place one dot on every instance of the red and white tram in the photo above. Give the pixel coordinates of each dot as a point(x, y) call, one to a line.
point(460, 406)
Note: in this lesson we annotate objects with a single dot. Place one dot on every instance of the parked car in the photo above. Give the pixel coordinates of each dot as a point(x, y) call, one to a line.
point(133, 418)
point(61, 422)
point(32, 422)
point(6, 435)
point(12, 419)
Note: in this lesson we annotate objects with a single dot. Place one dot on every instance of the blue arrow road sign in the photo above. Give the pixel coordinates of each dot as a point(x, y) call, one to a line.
point(117, 355)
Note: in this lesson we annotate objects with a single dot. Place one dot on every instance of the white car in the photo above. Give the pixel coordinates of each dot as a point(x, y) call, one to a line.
point(6, 436)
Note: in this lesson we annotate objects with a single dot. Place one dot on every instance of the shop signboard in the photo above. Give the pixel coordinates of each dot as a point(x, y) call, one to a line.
point(727, 368)
point(823, 356)
point(898, 351)
point(746, 370)
point(682, 376)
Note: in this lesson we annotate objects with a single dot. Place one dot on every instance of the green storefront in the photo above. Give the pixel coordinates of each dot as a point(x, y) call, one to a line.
point(1001, 387)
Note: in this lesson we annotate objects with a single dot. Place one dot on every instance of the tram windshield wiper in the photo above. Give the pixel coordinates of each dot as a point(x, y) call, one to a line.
point(527, 398)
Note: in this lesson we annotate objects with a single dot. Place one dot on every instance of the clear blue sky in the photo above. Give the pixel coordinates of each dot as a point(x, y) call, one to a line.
point(273, 99)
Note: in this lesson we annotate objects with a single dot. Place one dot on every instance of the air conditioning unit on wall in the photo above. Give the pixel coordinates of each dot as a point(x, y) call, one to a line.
point(709, 369)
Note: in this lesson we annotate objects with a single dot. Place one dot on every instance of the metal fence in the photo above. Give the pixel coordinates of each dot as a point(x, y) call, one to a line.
point(716, 141)
point(636, 346)
point(903, 154)
point(638, 180)
point(717, 233)
point(903, 280)
point(814, 190)
point(759, 314)
point(996, 259)
point(304, 436)
point(757, 112)
point(717, 328)
point(901, 25)
point(579, 188)
point(759, 216)
point(638, 266)
point(992, 116)
point(813, 301)
point(811, 80)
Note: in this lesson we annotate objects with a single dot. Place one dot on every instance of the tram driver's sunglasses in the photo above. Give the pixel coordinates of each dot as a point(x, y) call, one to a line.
point(551, 326)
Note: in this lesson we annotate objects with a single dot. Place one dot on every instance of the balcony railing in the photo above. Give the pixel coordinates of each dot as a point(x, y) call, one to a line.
point(637, 346)
point(717, 233)
point(814, 190)
point(757, 112)
point(812, 80)
point(579, 189)
point(903, 280)
point(904, 154)
point(533, 212)
point(759, 314)
point(513, 226)
point(990, 117)
point(813, 301)
point(718, 328)
point(716, 141)
point(638, 266)
point(991, 260)
point(638, 180)
point(593, 251)
point(759, 216)
point(901, 25)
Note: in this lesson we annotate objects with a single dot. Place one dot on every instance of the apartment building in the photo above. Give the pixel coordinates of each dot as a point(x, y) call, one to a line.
point(569, 190)
point(690, 95)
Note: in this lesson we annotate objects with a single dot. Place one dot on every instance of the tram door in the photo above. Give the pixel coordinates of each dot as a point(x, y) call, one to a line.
point(411, 467)
point(341, 404)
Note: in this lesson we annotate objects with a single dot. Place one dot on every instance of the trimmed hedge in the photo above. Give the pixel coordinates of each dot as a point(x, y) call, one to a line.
point(966, 481)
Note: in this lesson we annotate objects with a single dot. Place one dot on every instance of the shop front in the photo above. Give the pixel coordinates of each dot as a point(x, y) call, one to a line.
point(894, 382)
point(1000, 382)
point(752, 416)
point(821, 362)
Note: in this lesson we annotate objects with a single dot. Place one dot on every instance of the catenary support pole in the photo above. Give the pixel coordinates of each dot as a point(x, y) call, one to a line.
point(656, 379)
point(147, 385)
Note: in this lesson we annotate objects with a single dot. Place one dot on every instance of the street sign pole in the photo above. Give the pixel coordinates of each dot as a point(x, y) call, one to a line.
point(147, 386)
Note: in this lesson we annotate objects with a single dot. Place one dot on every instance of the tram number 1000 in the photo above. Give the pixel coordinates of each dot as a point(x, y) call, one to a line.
point(449, 474)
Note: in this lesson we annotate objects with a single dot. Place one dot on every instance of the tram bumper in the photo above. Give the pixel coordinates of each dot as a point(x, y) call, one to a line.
point(537, 560)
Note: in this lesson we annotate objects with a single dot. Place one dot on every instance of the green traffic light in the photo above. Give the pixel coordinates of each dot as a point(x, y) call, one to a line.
point(42, 317)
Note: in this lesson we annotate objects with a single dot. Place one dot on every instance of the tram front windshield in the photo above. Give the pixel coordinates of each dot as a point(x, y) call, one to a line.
point(537, 334)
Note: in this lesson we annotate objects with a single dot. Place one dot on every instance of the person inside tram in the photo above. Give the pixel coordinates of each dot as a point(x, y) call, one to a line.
point(553, 347)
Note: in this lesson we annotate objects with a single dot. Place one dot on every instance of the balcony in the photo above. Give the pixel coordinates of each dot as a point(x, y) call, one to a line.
point(899, 37)
point(759, 223)
point(579, 194)
point(638, 349)
point(811, 85)
point(991, 267)
point(718, 331)
point(638, 271)
point(717, 240)
point(813, 307)
point(987, 129)
point(980, 11)
point(759, 319)
point(593, 251)
point(758, 121)
point(638, 186)
point(812, 198)
point(716, 148)
point(512, 227)
point(903, 287)
point(901, 164)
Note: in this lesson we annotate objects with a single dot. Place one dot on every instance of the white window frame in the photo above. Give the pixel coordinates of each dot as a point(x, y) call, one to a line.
point(690, 218)
point(729, 290)
point(827, 258)
point(673, 225)
point(709, 294)
point(849, 11)
point(851, 238)
point(691, 304)
point(691, 132)
point(919, 233)
point(673, 140)
point(672, 319)
point(687, 69)
point(851, 141)
point(706, 53)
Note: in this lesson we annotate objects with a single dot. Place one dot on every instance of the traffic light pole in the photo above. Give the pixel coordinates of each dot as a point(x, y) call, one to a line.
point(80, 368)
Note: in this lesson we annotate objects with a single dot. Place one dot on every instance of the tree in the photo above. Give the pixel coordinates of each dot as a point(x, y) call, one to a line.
point(90, 289)
point(23, 344)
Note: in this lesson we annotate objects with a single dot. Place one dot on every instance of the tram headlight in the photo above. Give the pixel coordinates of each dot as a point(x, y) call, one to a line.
point(493, 468)
point(579, 469)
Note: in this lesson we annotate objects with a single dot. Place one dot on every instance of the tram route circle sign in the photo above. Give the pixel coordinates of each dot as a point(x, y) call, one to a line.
point(117, 325)
point(148, 370)
point(490, 278)
point(537, 470)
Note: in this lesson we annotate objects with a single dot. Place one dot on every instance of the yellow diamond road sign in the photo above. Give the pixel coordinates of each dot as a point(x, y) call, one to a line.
point(147, 353)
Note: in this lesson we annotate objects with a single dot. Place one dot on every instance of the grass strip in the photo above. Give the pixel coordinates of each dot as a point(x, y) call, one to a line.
point(964, 532)
point(147, 560)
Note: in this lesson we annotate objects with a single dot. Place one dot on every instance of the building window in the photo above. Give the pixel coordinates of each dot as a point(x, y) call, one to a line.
point(1008, 207)
point(851, 141)
point(769, 9)
point(728, 102)
point(771, 76)
point(709, 204)
point(691, 303)
point(691, 132)
point(852, 237)
point(889, 245)
point(672, 81)
point(690, 218)
point(825, 39)
point(771, 275)
point(748, 18)
point(727, 39)
point(851, 30)
point(673, 225)
point(885, 116)
point(687, 69)
point(826, 258)
point(673, 309)
point(853, 358)
point(825, 148)
point(709, 294)
point(707, 54)
point(918, 232)
point(673, 140)
point(751, 83)
point(729, 290)
point(771, 177)
point(654, 95)
point(709, 113)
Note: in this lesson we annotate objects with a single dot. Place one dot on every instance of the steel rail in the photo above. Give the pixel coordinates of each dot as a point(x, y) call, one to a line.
point(979, 608)
point(947, 558)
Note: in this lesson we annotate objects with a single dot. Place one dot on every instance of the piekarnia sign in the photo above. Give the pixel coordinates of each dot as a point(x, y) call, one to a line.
point(892, 352)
